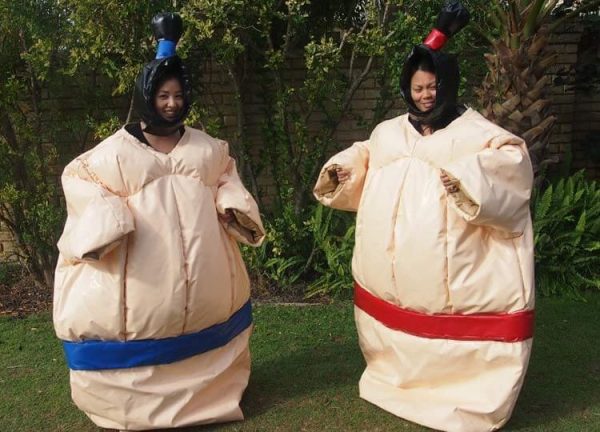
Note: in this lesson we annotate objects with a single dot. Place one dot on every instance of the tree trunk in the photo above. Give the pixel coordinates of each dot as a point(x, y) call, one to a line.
point(514, 94)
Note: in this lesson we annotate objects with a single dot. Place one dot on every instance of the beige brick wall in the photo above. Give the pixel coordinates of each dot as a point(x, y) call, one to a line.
point(6, 244)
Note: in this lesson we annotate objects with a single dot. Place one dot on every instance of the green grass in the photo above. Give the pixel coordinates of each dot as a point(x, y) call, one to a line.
point(306, 365)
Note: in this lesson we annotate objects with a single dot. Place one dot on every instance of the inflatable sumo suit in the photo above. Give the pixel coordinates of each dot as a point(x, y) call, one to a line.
point(151, 295)
point(444, 284)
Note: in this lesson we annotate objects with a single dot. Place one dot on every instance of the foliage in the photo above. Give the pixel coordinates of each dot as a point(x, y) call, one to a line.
point(10, 273)
point(97, 42)
point(279, 263)
point(333, 237)
point(567, 236)
point(29, 199)
point(318, 254)
point(260, 39)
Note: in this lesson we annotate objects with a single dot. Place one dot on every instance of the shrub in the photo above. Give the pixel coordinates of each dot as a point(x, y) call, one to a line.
point(308, 256)
point(333, 234)
point(566, 222)
point(10, 273)
point(280, 264)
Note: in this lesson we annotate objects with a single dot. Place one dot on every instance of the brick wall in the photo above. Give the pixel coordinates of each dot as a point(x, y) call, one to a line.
point(576, 105)
point(6, 243)
point(586, 119)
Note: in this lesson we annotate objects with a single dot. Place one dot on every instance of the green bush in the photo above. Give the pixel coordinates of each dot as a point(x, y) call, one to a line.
point(10, 273)
point(280, 264)
point(566, 222)
point(333, 236)
point(306, 255)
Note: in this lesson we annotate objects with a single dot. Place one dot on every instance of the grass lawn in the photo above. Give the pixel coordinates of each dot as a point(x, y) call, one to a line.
point(306, 365)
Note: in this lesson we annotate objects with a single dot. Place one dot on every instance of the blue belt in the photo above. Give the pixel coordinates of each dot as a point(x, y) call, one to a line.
point(100, 355)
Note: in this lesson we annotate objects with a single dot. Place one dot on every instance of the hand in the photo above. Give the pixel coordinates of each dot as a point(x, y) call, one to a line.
point(449, 183)
point(227, 217)
point(343, 175)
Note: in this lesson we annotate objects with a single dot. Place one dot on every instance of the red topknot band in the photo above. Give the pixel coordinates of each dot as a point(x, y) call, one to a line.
point(435, 40)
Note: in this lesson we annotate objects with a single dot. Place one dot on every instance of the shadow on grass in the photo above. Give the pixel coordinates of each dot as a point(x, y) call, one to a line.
point(302, 373)
point(563, 380)
point(298, 355)
point(296, 376)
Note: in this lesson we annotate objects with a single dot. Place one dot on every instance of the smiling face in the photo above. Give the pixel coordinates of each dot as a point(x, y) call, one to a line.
point(168, 100)
point(423, 89)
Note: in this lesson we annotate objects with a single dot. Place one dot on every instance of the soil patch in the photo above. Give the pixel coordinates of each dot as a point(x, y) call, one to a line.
point(20, 297)
point(23, 297)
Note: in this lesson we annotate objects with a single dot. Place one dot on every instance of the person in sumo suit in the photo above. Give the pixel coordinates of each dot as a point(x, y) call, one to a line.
point(443, 260)
point(151, 295)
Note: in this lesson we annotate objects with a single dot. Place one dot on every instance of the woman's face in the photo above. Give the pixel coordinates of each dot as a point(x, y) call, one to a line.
point(422, 90)
point(168, 100)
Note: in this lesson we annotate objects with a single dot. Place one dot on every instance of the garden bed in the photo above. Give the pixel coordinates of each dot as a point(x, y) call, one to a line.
point(21, 297)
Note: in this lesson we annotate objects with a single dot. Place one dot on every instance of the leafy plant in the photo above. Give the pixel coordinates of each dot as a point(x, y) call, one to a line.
point(280, 264)
point(272, 273)
point(313, 260)
point(566, 221)
point(334, 253)
point(10, 273)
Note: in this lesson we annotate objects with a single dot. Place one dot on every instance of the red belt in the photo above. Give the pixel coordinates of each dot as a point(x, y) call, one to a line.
point(503, 327)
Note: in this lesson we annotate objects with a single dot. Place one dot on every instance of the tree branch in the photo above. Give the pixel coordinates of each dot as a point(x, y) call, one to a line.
point(241, 121)
point(130, 111)
point(35, 95)
point(353, 55)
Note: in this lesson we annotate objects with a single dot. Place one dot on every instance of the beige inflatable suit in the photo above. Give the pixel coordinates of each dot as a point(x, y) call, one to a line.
point(444, 282)
point(151, 296)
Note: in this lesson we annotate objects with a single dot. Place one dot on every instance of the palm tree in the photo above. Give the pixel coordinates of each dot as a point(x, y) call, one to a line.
point(514, 93)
